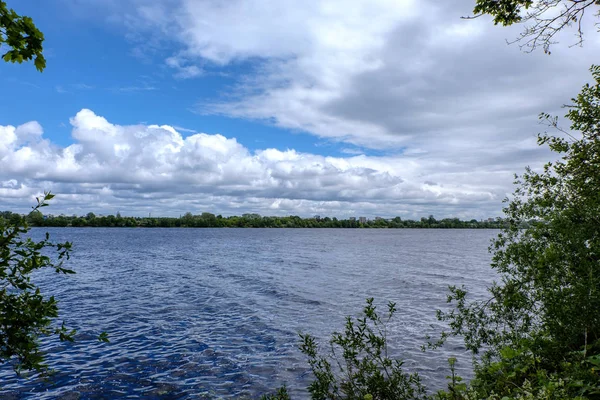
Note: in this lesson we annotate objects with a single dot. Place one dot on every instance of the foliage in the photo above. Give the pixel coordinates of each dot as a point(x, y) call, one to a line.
point(457, 389)
point(208, 220)
point(25, 313)
point(539, 332)
point(357, 365)
point(544, 19)
point(22, 37)
point(281, 394)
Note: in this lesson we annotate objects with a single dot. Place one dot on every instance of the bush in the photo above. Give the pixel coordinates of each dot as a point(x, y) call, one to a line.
point(25, 313)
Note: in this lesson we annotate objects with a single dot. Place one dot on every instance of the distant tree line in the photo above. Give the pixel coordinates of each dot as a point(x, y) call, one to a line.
point(208, 220)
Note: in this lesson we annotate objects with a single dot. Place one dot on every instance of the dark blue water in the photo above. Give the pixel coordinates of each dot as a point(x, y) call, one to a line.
point(213, 313)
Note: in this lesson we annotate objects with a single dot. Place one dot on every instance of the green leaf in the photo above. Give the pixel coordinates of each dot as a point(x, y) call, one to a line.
point(103, 337)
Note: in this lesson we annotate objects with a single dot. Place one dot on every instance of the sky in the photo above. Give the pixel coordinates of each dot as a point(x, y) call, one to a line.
point(339, 108)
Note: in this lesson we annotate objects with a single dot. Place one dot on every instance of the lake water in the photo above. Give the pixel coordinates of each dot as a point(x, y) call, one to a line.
point(215, 313)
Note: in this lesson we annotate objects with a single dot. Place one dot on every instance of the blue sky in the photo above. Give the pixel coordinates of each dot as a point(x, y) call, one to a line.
point(335, 108)
point(91, 65)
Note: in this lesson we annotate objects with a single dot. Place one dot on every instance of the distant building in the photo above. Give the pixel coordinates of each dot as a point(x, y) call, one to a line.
point(378, 218)
point(352, 218)
point(362, 220)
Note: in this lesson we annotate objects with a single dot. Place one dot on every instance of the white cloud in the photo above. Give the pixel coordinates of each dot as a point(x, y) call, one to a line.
point(309, 53)
point(183, 71)
point(374, 73)
point(134, 88)
point(11, 137)
point(60, 89)
point(151, 167)
point(82, 86)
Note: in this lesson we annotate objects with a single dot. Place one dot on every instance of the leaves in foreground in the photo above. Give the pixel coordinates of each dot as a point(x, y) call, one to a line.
point(357, 364)
point(26, 314)
point(23, 39)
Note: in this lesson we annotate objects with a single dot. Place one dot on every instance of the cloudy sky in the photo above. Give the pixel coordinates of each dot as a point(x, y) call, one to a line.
point(339, 108)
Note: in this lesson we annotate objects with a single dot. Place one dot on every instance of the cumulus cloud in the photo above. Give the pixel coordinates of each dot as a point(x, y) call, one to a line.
point(143, 168)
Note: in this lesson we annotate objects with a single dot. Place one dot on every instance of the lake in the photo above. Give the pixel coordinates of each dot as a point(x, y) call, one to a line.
point(215, 313)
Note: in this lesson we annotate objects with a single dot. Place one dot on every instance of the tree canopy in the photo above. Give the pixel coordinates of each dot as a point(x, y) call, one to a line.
point(543, 19)
point(541, 324)
point(23, 39)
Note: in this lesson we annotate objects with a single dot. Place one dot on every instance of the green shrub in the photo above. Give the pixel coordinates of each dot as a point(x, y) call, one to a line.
point(25, 313)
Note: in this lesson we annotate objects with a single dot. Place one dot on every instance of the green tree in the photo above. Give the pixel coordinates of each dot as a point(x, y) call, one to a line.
point(25, 313)
point(543, 19)
point(23, 39)
point(35, 218)
point(541, 324)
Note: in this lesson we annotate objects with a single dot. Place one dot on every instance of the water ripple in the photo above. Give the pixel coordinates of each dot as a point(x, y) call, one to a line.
point(215, 313)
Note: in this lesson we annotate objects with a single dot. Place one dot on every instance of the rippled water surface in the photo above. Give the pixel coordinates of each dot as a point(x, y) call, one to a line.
point(212, 313)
